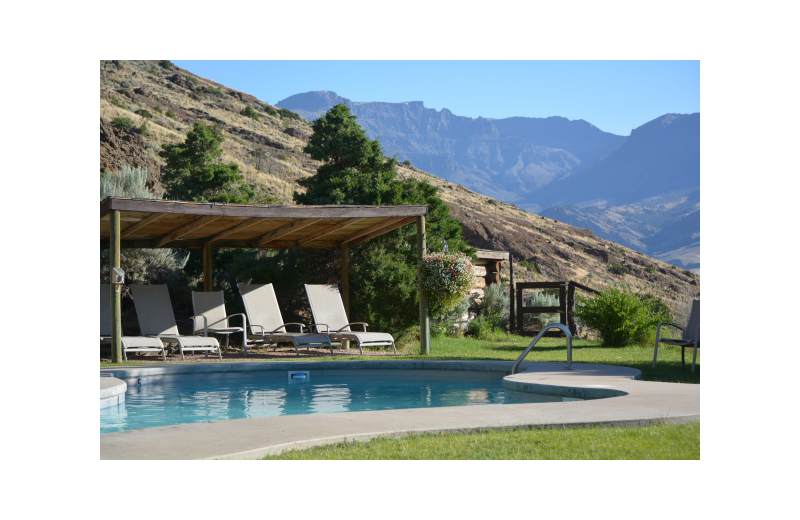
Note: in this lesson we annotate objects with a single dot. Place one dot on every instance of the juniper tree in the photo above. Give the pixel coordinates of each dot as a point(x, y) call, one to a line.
point(194, 170)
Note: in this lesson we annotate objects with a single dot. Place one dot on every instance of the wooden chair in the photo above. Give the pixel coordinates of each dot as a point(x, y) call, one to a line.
point(690, 338)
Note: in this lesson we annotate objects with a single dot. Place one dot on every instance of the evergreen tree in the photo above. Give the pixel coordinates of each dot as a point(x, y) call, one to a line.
point(194, 171)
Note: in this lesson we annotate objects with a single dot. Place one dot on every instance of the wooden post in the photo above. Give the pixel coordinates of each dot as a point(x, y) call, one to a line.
point(344, 266)
point(207, 268)
point(562, 303)
point(116, 303)
point(511, 302)
point(573, 328)
point(424, 318)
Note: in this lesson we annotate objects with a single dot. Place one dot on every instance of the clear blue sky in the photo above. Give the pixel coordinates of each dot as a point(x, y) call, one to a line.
point(615, 96)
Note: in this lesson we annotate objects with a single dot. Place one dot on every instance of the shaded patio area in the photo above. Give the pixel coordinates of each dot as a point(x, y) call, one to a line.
point(148, 223)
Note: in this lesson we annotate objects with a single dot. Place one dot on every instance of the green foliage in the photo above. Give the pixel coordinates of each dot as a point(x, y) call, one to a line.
point(620, 316)
point(126, 182)
point(194, 172)
point(448, 324)
point(407, 162)
point(249, 112)
point(618, 269)
point(650, 268)
point(116, 102)
point(528, 265)
point(271, 111)
point(142, 129)
point(493, 312)
point(144, 113)
point(157, 109)
point(165, 64)
point(288, 114)
point(170, 114)
point(213, 90)
point(123, 123)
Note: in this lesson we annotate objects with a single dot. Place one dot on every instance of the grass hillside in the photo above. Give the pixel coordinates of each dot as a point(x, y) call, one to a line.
point(163, 101)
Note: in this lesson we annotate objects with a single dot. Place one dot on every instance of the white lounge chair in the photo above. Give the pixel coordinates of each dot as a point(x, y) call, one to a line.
point(266, 323)
point(690, 338)
point(154, 310)
point(210, 317)
point(132, 344)
point(329, 317)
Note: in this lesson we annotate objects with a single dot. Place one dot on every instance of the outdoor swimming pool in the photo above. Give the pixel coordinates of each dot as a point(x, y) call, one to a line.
point(207, 397)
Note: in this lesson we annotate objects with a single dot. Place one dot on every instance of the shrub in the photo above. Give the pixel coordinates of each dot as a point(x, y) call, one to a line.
point(116, 102)
point(620, 316)
point(407, 162)
point(651, 269)
point(142, 129)
point(447, 324)
point(165, 64)
point(144, 113)
point(123, 123)
point(288, 114)
point(492, 318)
point(529, 265)
point(249, 112)
point(618, 269)
point(171, 114)
point(213, 90)
point(126, 182)
point(271, 111)
point(157, 110)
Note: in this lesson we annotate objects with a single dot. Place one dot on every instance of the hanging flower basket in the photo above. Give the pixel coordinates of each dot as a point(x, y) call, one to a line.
point(446, 279)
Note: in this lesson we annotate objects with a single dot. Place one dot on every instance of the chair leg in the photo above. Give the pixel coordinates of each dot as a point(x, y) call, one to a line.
point(394, 348)
point(655, 352)
point(683, 357)
point(694, 358)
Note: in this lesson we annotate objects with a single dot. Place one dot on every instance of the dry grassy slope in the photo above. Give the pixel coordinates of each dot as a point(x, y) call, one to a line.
point(553, 250)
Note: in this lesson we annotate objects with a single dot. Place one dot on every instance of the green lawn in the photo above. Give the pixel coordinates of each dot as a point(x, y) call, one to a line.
point(653, 442)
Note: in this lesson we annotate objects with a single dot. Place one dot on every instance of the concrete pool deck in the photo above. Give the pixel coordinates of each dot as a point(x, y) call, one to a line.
point(638, 402)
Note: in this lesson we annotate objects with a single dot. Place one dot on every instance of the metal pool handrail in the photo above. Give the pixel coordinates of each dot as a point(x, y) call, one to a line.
point(538, 337)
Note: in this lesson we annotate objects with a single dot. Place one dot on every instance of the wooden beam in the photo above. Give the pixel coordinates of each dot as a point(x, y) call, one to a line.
point(235, 229)
point(285, 230)
point(424, 318)
point(184, 230)
point(328, 230)
point(383, 230)
point(142, 223)
point(116, 303)
point(366, 231)
point(252, 211)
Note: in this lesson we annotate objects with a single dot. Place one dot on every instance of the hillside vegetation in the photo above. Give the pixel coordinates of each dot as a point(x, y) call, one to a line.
point(163, 102)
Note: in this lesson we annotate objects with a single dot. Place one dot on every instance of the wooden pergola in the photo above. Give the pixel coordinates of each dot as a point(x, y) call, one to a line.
point(147, 223)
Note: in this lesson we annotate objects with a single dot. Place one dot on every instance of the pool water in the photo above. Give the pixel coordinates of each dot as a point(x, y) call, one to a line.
point(163, 401)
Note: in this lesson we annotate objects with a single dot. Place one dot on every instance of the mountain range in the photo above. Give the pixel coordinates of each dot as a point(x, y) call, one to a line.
point(633, 190)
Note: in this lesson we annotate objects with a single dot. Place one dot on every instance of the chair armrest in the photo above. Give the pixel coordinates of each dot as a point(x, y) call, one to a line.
point(355, 323)
point(259, 326)
point(205, 326)
point(285, 324)
point(244, 319)
point(318, 325)
point(658, 328)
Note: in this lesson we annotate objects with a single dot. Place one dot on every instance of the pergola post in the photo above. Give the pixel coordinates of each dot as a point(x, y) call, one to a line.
point(424, 319)
point(207, 267)
point(344, 265)
point(116, 301)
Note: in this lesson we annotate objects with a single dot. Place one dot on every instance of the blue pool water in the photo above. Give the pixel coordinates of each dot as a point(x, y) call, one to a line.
point(184, 399)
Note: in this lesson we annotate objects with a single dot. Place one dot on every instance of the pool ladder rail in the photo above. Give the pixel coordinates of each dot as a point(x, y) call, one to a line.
point(538, 337)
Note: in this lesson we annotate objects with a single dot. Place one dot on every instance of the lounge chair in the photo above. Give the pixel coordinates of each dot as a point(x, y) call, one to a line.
point(690, 338)
point(154, 310)
point(210, 317)
point(132, 344)
point(266, 324)
point(330, 318)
